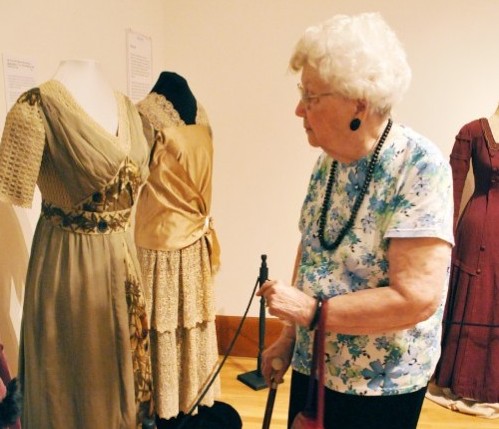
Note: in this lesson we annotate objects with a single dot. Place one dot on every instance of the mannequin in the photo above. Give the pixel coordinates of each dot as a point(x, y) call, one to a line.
point(84, 347)
point(179, 256)
point(176, 90)
point(494, 124)
point(86, 83)
point(467, 376)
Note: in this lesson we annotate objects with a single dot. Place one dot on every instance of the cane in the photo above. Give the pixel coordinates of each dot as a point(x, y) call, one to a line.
point(277, 364)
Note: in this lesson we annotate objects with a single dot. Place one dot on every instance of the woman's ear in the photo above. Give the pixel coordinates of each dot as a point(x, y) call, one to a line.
point(361, 106)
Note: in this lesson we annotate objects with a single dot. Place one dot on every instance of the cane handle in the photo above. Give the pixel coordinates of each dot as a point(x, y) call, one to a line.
point(277, 364)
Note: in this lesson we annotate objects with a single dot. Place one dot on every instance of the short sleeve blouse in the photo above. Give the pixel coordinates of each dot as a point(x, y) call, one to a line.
point(410, 195)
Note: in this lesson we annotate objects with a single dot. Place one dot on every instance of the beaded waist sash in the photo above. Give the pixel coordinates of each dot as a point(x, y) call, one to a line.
point(84, 222)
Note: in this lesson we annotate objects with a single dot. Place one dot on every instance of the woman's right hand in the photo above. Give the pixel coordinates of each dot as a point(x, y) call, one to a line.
point(277, 358)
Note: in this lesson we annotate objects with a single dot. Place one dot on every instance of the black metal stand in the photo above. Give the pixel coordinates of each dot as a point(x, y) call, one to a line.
point(254, 379)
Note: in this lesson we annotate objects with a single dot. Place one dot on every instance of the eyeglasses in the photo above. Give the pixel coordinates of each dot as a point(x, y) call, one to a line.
point(307, 98)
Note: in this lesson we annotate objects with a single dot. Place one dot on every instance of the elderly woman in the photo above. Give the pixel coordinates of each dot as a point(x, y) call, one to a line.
point(376, 234)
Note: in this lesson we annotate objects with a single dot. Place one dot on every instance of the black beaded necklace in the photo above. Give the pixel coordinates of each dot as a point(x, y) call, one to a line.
point(360, 198)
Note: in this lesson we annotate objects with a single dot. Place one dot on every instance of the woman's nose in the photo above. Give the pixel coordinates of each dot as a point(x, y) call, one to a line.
point(300, 109)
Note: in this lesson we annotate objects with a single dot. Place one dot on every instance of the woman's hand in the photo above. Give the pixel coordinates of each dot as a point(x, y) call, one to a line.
point(277, 358)
point(287, 302)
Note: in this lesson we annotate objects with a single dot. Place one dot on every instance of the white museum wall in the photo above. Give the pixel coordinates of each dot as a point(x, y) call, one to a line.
point(234, 54)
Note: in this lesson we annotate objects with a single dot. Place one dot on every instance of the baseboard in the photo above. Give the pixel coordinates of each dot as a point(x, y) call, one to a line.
point(246, 344)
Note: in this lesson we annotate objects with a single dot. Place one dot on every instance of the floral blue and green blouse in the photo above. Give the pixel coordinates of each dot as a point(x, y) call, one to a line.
point(410, 195)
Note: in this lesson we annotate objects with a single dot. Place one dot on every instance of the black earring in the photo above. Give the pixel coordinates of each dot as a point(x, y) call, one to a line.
point(355, 124)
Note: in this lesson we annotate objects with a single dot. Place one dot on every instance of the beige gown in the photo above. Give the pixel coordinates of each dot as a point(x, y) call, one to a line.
point(179, 255)
point(84, 361)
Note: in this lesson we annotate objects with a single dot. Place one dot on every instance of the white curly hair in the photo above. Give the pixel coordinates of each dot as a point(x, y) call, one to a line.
point(359, 56)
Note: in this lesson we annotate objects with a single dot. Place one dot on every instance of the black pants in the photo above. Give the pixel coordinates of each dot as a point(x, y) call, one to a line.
point(343, 411)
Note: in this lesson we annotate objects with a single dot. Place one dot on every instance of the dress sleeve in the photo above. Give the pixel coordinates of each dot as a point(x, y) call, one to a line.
point(460, 164)
point(21, 150)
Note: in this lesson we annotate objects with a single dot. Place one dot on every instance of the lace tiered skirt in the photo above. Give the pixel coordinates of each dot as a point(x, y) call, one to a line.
point(180, 302)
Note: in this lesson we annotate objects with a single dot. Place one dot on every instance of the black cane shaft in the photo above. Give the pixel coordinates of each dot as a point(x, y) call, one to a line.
point(277, 365)
point(269, 408)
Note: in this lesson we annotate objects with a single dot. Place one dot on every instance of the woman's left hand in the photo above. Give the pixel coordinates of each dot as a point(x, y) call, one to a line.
point(287, 302)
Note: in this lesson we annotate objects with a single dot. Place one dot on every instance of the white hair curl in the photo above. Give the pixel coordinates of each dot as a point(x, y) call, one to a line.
point(359, 56)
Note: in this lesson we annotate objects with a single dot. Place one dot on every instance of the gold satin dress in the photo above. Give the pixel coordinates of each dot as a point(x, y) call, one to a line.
point(179, 255)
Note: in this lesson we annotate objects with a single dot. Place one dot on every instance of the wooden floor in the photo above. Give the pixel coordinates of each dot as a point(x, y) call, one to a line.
point(251, 403)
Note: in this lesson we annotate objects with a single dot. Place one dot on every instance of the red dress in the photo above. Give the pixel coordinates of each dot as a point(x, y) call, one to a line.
point(469, 364)
point(5, 377)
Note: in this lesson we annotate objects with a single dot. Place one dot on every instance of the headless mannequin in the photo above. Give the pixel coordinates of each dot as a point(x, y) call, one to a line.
point(494, 124)
point(88, 86)
point(176, 90)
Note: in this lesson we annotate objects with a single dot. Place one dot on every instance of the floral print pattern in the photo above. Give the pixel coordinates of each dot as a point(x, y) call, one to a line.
point(410, 196)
